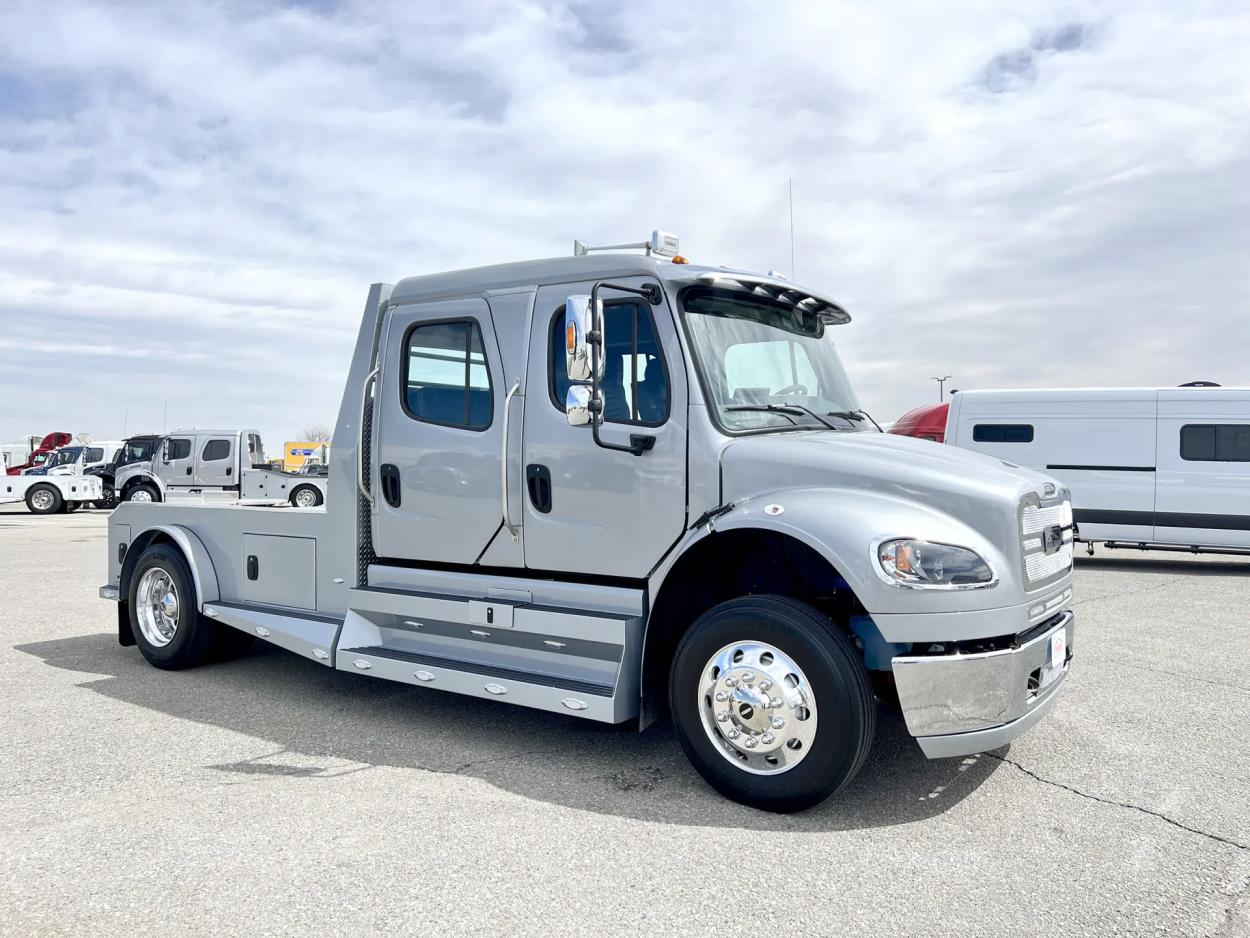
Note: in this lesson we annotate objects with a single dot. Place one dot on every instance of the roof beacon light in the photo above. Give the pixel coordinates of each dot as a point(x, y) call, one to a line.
point(662, 244)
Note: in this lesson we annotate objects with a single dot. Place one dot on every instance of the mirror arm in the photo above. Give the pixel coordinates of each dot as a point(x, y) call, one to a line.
point(639, 443)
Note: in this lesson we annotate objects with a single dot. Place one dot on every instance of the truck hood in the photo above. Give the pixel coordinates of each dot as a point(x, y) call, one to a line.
point(966, 485)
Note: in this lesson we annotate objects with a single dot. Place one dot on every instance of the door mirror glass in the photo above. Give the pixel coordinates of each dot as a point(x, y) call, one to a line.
point(577, 405)
point(578, 324)
point(165, 451)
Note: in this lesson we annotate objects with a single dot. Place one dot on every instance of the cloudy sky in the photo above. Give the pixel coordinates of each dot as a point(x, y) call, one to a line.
point(194, 197)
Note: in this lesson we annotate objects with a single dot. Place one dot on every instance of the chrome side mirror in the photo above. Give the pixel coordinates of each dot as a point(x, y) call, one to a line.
point(579, 322)
point(577, 405)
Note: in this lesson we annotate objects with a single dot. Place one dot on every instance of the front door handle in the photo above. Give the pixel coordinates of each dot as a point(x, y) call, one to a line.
point(389, 475)
point(538, 480)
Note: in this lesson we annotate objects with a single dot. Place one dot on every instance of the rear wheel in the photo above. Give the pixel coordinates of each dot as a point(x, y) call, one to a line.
point(306, 496)
point(771, 703)
point(44, 500)
point(164, 611)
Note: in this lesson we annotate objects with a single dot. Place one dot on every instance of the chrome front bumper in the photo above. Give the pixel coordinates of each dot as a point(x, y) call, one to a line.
point(959, 704)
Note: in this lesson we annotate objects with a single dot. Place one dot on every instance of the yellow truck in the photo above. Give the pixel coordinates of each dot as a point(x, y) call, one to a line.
point(295, 453)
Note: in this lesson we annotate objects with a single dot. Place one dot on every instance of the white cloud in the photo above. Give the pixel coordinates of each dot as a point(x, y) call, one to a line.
point(195, 196)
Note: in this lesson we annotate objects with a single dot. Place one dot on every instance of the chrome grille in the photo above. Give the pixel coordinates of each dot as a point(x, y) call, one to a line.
point(1041, 567)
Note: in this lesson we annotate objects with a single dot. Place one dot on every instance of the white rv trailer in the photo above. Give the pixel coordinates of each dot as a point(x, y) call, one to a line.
point(1162, 468)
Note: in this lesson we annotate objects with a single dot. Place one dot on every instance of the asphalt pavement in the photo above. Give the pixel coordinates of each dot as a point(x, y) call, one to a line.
point(269, 795)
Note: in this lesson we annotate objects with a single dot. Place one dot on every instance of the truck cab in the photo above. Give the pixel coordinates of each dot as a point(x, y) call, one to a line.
point(617, 486)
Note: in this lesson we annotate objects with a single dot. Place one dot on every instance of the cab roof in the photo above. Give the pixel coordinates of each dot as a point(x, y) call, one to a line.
point(528, 275)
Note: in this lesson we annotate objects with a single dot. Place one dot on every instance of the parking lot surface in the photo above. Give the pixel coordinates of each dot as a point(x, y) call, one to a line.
point(269, 795)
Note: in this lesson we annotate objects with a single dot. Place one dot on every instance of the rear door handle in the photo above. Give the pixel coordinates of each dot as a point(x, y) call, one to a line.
point(391, 489)
point(538, 480)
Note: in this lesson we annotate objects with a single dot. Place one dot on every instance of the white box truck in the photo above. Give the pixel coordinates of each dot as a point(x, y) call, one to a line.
point(1150, 468)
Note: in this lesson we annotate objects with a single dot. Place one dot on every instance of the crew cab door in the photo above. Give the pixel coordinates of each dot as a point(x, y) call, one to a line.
point(437, 454)
point(591, 510)
point(215, 462)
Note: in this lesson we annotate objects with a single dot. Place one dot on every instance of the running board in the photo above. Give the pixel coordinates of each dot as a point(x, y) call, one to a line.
point(557, 659)
point(306, 634)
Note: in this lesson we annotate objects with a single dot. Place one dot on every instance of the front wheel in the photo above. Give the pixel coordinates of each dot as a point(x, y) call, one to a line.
point(306, 496)
point(771, 702)
point(143, 493)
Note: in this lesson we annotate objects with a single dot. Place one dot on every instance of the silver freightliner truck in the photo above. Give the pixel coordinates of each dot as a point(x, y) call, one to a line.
point(618, 484)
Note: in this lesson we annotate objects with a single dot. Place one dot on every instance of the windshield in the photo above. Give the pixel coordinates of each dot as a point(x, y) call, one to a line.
point(65, 456)
point(767, 365)
point(136, 451)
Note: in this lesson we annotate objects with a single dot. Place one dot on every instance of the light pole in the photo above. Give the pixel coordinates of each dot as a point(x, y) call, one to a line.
point(942, 386)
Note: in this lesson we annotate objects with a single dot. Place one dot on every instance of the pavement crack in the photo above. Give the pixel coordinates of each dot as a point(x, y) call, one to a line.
point(1187, 677)
point(1121, 804)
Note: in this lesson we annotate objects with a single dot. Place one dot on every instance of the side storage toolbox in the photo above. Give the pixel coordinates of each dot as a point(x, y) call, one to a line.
point(279, 570)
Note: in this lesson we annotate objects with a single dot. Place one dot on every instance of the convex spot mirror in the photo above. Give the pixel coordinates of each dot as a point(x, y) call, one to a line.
point(578, 324)
point(577, 405)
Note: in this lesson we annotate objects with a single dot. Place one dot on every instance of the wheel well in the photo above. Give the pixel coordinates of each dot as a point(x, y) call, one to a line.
point(724, 566)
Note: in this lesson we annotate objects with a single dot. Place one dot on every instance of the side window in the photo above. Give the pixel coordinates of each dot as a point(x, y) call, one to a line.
point(635, 384)
point(93, 454)
point(179, 449)
point(446, 379)
point(1002, 433)
point(215, 450)
point(1221, 442)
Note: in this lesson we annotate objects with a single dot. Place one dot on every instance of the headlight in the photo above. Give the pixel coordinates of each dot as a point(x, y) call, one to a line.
point(924, 565)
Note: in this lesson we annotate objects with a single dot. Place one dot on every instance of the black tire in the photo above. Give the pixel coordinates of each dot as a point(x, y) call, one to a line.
point(194, 635)
point(39, 505)
point(839, 686)
point(316, 493)
point(152, 492)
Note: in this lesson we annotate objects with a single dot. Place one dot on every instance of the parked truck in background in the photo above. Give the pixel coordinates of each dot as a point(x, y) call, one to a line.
point(616, 484)
point(135, 449)
point(221, 464)
point(39, 455)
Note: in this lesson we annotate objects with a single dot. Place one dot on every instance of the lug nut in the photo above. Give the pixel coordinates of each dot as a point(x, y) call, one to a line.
point(778, 723)
point(767, 739)
point(721, 696)
point(749, 742)
point(776, 702)
point(765, 684)
point(722, 716)
point(748, 677)
point(731, 682)
point(732, 734)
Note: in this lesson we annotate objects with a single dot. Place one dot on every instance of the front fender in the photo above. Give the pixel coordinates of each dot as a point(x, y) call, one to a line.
point(843, 525)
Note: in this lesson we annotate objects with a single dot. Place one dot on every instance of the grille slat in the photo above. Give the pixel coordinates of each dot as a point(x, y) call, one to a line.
point(1039, 566)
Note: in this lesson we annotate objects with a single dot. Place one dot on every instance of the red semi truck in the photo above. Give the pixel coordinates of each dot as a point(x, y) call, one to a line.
point(49, 444)
point(926, 423)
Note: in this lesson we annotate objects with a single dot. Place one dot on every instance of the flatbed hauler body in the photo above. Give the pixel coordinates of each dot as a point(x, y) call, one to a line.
point(610, 484)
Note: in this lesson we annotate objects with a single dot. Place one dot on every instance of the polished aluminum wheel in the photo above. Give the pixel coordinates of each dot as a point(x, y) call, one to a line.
point(42, 499)
point(140, 495)
point(156, 605)
point(757, 707)
point(305, 498)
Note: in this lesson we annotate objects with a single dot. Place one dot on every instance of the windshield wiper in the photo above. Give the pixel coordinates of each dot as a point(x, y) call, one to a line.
point(855, 415)
point(788, 410)
point(783, 409)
